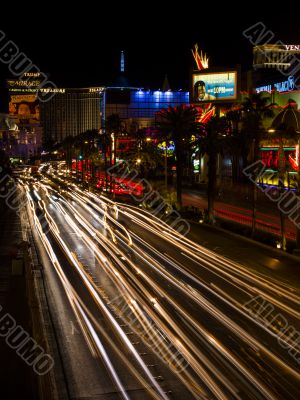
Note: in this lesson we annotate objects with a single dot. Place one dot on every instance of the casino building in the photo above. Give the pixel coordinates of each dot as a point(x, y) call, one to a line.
point(21, 129)
point(138, 106)
point(276, 70)
point(70, 112)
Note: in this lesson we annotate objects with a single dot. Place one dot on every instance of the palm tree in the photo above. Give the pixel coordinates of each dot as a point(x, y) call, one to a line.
point(237, 146)
point(90, 152)
point(68, 147)
point(105, 144)
point(145, 154)
point(255, 109)
point(178, 124)
point(84, 146)
point(212, 143)
point(113, 128)
point(286, 128)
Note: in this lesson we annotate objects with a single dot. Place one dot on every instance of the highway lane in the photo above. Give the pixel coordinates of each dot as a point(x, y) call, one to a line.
point(209, 325)
point(291, 305)
point(157, 373)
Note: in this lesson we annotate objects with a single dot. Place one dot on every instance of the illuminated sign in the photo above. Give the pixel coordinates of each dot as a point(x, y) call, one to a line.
point(32, 74)
point(52, 90)
point(201, 60)
point(170, 147)
point(20, 83)
point(292, 46)
point(285, 86)
point(25, 109)
point(96, 90)
point(214, 86)
point(196, 164)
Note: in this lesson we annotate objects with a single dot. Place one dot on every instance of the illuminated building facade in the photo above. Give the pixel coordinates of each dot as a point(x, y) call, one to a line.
point(137, 110)
point(137, 107)
point(277, 72)
point(23, 136)
point(70, 112)
point(277, 69)
point(279, 56)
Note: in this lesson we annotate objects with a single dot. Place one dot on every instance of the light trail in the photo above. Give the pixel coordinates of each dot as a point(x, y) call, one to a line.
point(150, 273)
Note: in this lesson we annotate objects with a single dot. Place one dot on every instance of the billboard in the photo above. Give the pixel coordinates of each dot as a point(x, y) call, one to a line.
point(25, 109)
point(212, 86)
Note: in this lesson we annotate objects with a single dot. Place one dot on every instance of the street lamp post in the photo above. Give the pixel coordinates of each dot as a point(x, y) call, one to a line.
point(298, 193)
point(281, 177)
point(281, 160)
point(166, 167)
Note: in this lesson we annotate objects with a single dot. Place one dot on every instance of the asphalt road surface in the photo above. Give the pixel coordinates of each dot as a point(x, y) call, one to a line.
point(144, 312)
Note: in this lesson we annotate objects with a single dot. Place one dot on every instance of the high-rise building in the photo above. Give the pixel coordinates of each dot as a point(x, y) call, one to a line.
point(70, 112)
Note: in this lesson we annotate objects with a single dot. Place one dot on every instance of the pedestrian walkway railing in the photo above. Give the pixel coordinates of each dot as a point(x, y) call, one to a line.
point(260, 225)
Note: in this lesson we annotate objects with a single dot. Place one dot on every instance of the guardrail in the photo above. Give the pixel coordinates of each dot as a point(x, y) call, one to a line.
point(259, 224)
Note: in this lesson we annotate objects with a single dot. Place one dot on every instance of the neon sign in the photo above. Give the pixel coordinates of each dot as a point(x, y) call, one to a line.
point(169, 148)
point(285, 86)
point(201, 60)
point(292, 46)
point(294, 161)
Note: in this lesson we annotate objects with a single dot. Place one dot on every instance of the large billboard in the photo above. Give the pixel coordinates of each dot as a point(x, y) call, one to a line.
point(214, 86)
point(25, 109)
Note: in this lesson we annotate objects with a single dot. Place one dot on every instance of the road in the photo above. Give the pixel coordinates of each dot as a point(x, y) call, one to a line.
point(161, 316)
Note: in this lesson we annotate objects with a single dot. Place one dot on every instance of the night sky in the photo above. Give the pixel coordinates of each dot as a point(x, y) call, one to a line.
point(83, 49)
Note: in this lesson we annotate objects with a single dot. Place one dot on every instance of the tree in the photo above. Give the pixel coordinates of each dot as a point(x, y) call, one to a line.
point(68, 147)
point(178, 124)
point(144, 153)
point(113, 125)
point(285, 128)
point(105, 143)
point(236, 145)
point(255, 109)
point(212, 142)
point(113, 128)
point(84, 145)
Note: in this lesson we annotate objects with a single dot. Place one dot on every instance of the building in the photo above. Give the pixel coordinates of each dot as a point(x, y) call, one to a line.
point(280, 56)
point(276, 71)
point(20, 142)
point(65, 112)
point(23, 137)
point(136, 107)
point(276, 68)
point(70, 112)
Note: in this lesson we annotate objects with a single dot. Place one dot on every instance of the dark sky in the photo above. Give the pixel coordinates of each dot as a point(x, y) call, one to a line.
point(83, 49)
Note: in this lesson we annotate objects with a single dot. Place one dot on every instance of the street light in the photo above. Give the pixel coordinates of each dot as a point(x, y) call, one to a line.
point(113, 144)
point(281, 179)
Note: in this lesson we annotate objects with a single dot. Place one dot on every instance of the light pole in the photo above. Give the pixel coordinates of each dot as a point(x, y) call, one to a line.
point(281, 177)
point(298, 193)
point(166, 166)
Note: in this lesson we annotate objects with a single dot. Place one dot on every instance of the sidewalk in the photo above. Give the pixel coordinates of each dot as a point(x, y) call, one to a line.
point(16, 377)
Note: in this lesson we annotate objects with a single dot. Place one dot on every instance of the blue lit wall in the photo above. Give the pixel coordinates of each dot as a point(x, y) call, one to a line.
point(147, 103)
point(144, 103)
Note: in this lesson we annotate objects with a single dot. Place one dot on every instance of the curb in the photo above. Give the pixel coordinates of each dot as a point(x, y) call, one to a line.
point(52, 386)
